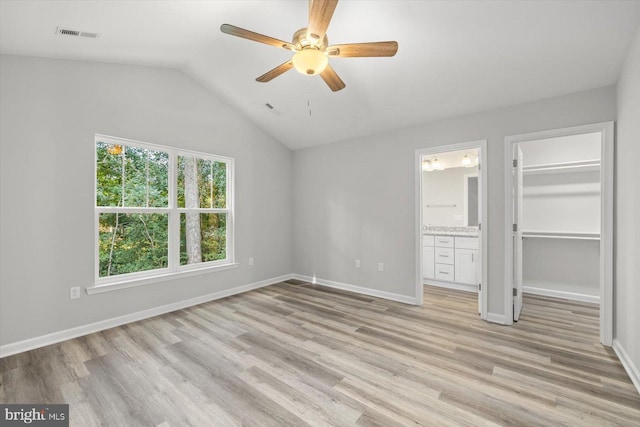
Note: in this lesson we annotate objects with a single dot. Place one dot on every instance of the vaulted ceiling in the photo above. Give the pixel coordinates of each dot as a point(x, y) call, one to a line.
point(454, 58)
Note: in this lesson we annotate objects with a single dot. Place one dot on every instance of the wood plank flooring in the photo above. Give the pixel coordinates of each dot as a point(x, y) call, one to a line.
point(295, 354)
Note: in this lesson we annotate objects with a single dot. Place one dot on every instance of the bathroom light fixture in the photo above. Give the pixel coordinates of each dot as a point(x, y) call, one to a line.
point(426, 165)
point(466, 162)
point(437, 165)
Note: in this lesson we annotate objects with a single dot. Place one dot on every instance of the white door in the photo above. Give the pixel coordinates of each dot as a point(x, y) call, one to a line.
point(517, 233)
point(478, 263)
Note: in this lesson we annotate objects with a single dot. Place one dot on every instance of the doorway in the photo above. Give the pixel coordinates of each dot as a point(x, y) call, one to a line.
point(559, 218)
point(450, 205)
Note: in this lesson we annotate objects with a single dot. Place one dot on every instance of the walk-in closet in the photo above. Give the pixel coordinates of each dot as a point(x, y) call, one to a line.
point(561, 217)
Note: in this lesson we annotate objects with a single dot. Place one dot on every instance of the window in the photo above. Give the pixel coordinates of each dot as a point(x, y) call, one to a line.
point(160, 210)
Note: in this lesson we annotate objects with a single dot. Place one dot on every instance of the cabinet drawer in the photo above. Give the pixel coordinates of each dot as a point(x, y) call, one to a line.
point(427, 240)
point(444, 241)
point(466, 243)
point(444, 255)
point(444, 272)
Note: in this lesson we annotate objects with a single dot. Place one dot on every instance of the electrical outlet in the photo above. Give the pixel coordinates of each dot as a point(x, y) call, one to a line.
point(357, 263)
point(380, 266)
point(250, 260)
point(74, 293)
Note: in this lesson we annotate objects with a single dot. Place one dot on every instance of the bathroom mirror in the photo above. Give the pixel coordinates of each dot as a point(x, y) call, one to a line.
point(471, 200)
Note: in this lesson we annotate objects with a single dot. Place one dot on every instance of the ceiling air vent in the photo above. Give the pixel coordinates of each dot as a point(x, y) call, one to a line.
point(74, 33)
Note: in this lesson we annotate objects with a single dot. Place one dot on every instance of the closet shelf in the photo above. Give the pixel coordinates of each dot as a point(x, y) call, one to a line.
point(569, 235)
point(579, 166)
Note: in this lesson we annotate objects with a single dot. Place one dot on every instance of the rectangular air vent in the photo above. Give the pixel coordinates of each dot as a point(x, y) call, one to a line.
point(75, 33)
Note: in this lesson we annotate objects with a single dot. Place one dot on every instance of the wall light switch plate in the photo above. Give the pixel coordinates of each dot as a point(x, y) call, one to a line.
point(380, 266)
point(74, 293)
point(357, 263)
point(250, 260)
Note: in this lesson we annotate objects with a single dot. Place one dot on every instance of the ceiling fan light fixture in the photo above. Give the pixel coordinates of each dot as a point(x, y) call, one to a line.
point(310, 61)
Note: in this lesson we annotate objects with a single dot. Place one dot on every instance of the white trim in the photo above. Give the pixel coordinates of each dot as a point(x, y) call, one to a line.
point(483, 249)
point(147, 280)
point(496, 318)
point(627, 363)
point(358, 289)
point(606, 129)
point(452, 285)
point(561, 294)
point(78, 331)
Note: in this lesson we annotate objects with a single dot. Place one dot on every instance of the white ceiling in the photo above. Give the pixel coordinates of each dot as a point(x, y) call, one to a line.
point(454, 58)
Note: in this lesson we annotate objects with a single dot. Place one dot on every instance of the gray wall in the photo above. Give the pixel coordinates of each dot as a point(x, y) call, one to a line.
point(355, 199)
point(49, 112)
point(627, 250)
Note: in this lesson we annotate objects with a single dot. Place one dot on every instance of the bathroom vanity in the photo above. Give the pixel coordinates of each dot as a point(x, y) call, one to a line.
point(450, 257)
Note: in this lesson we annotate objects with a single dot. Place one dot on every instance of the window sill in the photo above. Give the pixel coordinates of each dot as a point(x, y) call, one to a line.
point(114, 286)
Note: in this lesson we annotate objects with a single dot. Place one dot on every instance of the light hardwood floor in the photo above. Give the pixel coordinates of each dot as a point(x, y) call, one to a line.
point(297, 354)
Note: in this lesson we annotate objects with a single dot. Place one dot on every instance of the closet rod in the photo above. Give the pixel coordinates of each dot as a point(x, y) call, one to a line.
point(578, 166)
point(441, 206)
point(560, 235)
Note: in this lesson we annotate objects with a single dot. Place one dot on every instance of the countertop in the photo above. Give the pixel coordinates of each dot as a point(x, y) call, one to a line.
point(432, 230)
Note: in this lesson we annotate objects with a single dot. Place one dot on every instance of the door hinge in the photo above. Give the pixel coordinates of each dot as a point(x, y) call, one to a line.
point(515, 163)
point(479, 286)
point(479, 166)
point(479, 226)
point(515, 227)
point(515, 292)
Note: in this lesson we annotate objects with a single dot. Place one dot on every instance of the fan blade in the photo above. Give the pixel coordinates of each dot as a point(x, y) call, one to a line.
point(332, 79)
point(320, 13)
point(250, 35)
point(363, 49)
point(272, 74)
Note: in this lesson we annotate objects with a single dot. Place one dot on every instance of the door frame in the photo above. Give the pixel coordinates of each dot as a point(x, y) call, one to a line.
point(606, 130)
point(481, 145)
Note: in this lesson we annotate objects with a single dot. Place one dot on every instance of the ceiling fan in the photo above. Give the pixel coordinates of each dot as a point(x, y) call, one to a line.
point(311, 46)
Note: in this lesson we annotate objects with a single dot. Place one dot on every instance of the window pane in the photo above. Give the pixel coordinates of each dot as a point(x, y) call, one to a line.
point(109, 174)
point(146, 176)
point(203, 237)
point(138, 174)
point(132, 242)
point(202, 183)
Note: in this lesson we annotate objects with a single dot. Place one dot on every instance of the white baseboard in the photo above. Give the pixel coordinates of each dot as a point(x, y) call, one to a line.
point(358, 289)
point(451, 285)
point(55, 337)
point(627, 363)
point(561, 294)
point(496, 318)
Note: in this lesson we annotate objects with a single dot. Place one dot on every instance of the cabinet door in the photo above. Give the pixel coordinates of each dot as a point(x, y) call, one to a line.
point(466, 266)
point(428, 266)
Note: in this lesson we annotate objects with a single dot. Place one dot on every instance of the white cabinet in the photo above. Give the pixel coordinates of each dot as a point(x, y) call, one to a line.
point(450, 259)
point(444, 272)
point(465, 266)
point(428, 266)
point(428, 255)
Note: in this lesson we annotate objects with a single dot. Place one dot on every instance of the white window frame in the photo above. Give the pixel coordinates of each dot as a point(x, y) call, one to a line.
point(174, 269)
